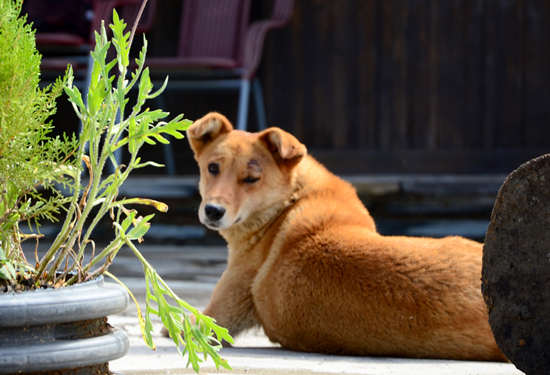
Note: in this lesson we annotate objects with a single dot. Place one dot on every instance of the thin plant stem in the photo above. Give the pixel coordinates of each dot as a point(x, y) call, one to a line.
point(136, 22)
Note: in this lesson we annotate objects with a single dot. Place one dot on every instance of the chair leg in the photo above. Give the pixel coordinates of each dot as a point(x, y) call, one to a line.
point(169, 159)
point(244, 93)
point(259, 103)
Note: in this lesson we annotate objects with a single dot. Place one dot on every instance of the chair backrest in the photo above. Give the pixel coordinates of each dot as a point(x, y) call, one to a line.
point(127, 9)
point(213, 28)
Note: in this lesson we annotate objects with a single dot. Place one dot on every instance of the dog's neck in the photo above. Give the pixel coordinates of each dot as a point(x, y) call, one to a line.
point(246, 235)
point(307, 177)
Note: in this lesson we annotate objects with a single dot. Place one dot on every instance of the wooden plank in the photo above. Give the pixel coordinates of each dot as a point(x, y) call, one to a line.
point(308, 44)
point(383, 75)
point(489, 103)
point(279, 70)
point(433, 120)
point(424, 161)
point(393, 113)
point(509, 67)
point(537, 74)
point(418, 88)
point(365, 66)
point(341, 71)
point(400, 135)
point(451, 90)
point(319, 47)
point(291, 95)
point(472, 116)
point(378, 76)
point(386, 76)
point(292, 61)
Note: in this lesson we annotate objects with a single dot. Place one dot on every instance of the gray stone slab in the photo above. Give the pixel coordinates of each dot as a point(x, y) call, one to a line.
point(254, 354)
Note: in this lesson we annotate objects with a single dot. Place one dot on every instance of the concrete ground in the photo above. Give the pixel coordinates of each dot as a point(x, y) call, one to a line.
point(192, 271)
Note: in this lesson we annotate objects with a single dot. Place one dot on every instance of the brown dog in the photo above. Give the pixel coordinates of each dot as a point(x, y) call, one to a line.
point(306, 263)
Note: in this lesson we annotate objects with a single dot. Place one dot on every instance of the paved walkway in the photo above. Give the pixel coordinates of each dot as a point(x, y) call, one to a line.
point(192, 273)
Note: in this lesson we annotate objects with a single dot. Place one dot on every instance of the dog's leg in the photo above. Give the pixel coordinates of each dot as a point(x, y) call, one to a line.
point(231, 303)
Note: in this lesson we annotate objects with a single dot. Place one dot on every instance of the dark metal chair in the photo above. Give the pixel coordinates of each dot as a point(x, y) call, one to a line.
point(217, 42)
point(217, 35)
point(62, 34)
point(219, 49)
point(65, 46)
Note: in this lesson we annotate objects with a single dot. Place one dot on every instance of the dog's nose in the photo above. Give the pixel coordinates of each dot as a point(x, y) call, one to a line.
point(214, 212)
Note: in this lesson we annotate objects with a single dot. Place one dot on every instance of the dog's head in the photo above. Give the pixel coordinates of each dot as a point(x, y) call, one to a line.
point(241, 173)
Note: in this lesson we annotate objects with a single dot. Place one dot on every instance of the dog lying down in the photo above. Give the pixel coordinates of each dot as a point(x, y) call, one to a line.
point(306, 263)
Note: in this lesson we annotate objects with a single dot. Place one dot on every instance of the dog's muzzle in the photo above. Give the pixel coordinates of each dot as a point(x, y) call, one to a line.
point(214, 212)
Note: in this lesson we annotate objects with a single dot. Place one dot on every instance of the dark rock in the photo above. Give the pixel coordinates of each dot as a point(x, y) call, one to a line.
point(516, 267)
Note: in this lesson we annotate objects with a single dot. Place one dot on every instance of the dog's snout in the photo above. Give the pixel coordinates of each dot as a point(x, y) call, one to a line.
point(214, 212)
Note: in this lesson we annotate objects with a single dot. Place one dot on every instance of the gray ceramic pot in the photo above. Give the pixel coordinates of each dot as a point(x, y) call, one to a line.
point(61, 329)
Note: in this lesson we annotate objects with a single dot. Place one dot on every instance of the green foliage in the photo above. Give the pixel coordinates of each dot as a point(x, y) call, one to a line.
point(7, 271)
point(192, 338)
point(108, 125)
point(29, 157)
point(31, 162)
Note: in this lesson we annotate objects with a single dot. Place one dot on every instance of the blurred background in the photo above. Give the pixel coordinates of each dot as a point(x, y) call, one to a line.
point(424, 105)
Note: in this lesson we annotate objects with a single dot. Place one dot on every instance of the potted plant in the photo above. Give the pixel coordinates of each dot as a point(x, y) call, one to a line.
point(35, 167)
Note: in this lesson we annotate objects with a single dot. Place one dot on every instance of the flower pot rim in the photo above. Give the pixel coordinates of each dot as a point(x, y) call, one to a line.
point(88, 300)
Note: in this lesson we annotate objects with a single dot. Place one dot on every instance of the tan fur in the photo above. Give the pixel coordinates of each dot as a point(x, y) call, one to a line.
point(307, 264)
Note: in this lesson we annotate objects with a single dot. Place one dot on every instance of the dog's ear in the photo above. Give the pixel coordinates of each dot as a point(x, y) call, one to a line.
point(206, 129)
point(284, 146)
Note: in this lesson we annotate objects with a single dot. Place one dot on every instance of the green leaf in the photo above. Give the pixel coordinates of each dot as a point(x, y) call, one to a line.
point(120, 40)
point(75, 97)
point(161, 139)
point(141, 226)
point(145, 325)
point(144, 88)
point(175, 128)
point(140, 62)
point(96, 96)
point(128, 220)
point(160, 90)
point(7, 272)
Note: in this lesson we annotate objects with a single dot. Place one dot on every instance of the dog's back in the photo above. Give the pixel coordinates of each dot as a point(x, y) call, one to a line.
point(332, 284)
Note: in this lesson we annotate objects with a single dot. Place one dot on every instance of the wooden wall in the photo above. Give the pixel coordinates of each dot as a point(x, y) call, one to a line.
point(421, 86)
point(396, 86)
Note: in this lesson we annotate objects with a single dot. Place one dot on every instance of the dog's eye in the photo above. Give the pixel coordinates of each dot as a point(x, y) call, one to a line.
point(251, 180)
point(213, 168)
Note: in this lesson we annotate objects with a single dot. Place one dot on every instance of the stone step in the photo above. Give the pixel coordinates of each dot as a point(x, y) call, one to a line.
point(401, 204)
